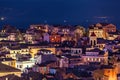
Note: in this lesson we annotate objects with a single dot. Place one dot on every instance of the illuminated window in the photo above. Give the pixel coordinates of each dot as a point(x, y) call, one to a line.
point(52, 39)
point(55, 37)
point(95, 59)
point(91, 59)
point(88, 59)
point(99, 60)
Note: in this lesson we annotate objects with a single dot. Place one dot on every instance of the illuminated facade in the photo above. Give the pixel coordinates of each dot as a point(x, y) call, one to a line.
point(106, 72)
point(93, 39)
point(99, 32)
point(6, 70)
point(102, 29)
point(79, 32)
point(8, 61)
point(24, 64)
point(95, 55)
point(55, 38)
point(34, 50)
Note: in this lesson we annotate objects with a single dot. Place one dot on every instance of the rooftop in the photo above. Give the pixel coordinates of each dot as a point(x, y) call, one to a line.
point(6, 68)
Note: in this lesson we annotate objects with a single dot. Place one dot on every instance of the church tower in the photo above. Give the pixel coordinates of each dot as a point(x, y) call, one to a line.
point(93, 39)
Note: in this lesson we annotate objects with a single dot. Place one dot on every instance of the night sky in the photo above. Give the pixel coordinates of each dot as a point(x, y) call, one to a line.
point(22, 13)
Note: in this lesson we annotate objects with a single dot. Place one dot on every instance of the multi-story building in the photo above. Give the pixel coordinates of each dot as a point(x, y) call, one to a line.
point(98, 30)
point(79, 32)
point(45, 55)
point(22, 65)
point(101, 29)
point(7, 70)
point(96, 55)
point(55, 38)
point(8, 61)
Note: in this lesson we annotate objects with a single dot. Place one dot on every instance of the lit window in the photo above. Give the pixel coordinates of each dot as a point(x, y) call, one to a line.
point(91, 59)
point(95, 59)
point(88, 59)
point(52, 39)
point(99, 60)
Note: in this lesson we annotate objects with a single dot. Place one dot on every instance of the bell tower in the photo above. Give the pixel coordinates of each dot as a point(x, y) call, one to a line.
point(93, 39)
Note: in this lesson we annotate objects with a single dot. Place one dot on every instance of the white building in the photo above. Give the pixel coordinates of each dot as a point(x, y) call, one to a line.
point(24, 64)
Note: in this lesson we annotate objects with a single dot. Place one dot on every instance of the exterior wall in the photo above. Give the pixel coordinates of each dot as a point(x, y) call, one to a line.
point(55, 38)
point(10, 63)
point(95, 59)
point(111, 36)
point(76, 50)
point(75, 61)
point(55, 30)
point(44, 70)
point(33, 51)
point(79, 32)
point(98, 32)
point(111, 73)
point(63, 63)
point(118, 78)
point(92, 53)
point(3, 39)
point(24, 64)
point(13, 56)
point(15, 51)
point(44, 58)
point(65, 31)
point(46, 37)
point(12, 37)
point(118, 67)
point(93, 41)
point(8, 56)
point(29, 37)
point(101, 46)
point(25, 51)
point(110, 28)
point(7, 73)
